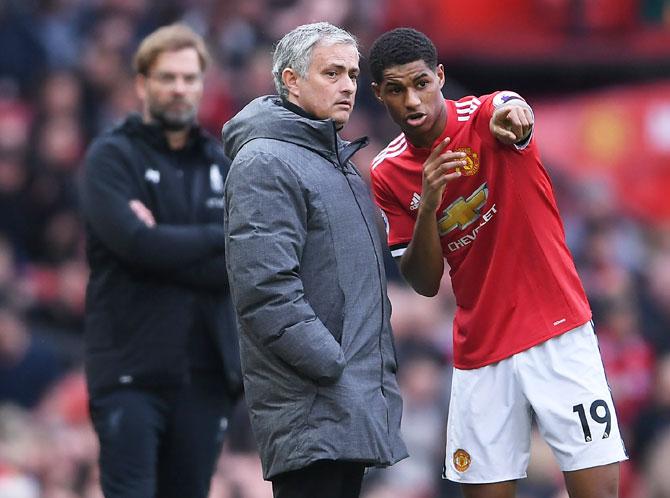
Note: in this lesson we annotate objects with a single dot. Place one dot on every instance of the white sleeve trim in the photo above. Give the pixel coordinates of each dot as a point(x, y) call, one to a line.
point(526, 142)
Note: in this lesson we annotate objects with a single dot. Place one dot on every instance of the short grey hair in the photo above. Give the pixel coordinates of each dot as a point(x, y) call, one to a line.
point(294, 50)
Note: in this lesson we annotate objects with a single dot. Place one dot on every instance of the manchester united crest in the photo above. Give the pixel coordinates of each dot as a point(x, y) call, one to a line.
point(472, 161)
point(461, 460)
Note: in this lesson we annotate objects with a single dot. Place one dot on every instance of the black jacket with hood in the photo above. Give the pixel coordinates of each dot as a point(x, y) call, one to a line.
point(157, 303)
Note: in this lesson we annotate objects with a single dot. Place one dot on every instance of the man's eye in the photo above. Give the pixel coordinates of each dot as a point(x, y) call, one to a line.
point(165, 78)
point(422, 84)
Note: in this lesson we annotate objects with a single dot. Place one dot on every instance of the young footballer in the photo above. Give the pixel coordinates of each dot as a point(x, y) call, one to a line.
point(464, 181)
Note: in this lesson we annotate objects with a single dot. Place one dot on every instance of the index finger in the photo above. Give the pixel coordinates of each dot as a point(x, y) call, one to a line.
point(438, 149)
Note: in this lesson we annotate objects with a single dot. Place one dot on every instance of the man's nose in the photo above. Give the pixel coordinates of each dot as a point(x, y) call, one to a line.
point(348, 85)
point(412, 99)
point(179, 85)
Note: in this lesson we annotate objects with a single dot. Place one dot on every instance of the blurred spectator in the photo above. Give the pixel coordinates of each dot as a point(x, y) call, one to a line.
point(654, 419)
point(656, 472)
point(22, 56)
point(11, 294)
point(15, 119)
point(655, 301)
point(60, 95)
point(424, 385)
point(57, 148)
point(19, 454)
point(628, 358)
point(57, 309)
point(73, 447)
point(56, 26)
point(28, 367)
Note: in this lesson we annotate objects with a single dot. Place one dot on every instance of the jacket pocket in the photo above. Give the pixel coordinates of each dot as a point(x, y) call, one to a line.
point(333, 317)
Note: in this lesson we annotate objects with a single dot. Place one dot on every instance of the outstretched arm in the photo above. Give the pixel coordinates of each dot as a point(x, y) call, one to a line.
point(512, 123)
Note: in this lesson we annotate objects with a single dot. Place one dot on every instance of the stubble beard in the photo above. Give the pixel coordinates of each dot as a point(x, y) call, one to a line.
point(173, 120)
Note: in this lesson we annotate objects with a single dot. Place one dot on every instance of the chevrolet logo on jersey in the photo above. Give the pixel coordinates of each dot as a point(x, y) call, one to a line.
point(471, 161)
point(463, 212)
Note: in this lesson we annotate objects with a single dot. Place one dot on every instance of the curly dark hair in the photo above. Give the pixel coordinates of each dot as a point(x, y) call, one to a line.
point(400, 46)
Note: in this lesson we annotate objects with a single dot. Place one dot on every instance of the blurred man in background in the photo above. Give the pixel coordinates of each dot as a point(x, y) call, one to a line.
point(161, 347)
point(464, 182)
point(305, 258)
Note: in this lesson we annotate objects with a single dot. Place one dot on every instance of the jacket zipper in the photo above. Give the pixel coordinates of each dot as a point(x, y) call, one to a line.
point(379, 276)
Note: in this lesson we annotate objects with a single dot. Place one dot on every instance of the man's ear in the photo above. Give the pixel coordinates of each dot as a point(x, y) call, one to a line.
point(290, 79)
point(440, 74)
point(377, 90)
point(140, 86)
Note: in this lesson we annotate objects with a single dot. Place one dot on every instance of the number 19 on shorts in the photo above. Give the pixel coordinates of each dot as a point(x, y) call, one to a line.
point(599, 412)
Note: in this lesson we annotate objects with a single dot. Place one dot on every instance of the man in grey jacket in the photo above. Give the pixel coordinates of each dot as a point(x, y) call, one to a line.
point(307, 278)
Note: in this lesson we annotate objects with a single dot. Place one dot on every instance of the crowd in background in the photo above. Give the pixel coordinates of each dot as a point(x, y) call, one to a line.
point(65, 76)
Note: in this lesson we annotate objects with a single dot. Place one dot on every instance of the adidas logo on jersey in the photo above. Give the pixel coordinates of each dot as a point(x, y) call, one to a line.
point(414, 204)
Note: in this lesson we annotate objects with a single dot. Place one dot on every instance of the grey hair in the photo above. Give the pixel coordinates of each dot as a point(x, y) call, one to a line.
point(294, 50)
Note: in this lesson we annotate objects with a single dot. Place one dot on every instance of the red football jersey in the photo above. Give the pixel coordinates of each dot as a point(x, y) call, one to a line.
point(511, 271)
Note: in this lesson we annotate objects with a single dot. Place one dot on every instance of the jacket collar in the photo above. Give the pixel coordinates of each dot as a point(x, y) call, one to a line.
point(297, 109)
point(154, 134)
point(267, 117)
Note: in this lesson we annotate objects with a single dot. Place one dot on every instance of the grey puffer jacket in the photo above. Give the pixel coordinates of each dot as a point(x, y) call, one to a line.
point(304, 255)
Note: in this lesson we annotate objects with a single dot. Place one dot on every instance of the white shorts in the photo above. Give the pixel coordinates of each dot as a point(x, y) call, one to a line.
point(561, 381)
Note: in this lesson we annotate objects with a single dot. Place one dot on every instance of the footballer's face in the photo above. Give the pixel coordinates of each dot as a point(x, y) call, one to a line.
point(172, 89)
point(328, 90)
point(412, 94)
